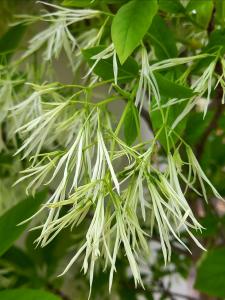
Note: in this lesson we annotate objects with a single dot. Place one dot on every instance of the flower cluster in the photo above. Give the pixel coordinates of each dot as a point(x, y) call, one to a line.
point(75, 147)
point(91, 184)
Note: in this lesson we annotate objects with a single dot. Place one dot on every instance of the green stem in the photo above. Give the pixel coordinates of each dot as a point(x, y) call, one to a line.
point(118, 128)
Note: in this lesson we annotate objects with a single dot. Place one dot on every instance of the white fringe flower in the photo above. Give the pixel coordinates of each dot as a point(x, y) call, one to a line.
point(147, 84)
point(57, 36)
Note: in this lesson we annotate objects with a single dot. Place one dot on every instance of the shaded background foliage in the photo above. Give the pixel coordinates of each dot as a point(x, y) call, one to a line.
point(30, 273)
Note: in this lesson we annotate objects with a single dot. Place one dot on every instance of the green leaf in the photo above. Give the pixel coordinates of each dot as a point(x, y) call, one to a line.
point(211, 224)
point(88, 3)
point(200, 11)
point(104, 69)
point(10, 41)
point(171, 89)
point(216, 41)
point(130, 25)
point(9, 231)
point(158, 33)
point(128, 294)
point(114, 1)
point(27, 294)
point(17, 258)
point(23, 269)
point(211, 273)
point(220, 12)
point(196, 126)
point(171, 6)
point(172, 113)
point(131, 124)
point(50, 256)
point(78, 3)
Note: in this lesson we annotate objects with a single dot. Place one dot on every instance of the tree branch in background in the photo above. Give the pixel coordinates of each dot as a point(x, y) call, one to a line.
point(145, 115)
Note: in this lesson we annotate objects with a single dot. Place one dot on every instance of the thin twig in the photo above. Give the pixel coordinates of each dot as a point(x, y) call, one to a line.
point(172, 294)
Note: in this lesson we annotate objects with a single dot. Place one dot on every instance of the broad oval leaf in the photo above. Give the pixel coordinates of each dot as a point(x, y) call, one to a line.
point(9, 229)
point(130, 25)
point(131, 124)
point(27, 294)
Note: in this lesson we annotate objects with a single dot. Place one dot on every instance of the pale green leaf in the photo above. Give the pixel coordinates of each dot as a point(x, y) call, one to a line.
point(130, 25)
